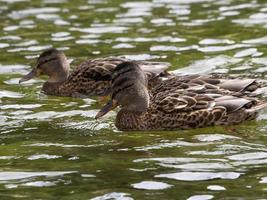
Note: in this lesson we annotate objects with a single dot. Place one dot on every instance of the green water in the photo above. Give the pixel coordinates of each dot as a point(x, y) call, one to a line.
point(52, 148)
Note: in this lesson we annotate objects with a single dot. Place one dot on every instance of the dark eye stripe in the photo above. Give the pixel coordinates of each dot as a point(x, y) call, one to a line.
point(120, 81)
point(45, 61)
point(116, 75)
point(121, 89)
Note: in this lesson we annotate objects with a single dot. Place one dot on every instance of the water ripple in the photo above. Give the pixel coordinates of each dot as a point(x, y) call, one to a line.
point(43, 156)
point(7, 176)
point(199, 176)
point(201, 197)
point(151, 185)
point(9, 94)
point(113, 195)
point(208, 65)
point(101, 29)
point(32, 12)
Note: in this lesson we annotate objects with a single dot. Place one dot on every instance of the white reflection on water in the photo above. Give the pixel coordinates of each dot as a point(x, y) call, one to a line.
point(11, 38)
point(141, 57)
point(32, 12)
point(49, 115)
point(10, 94)
point(201, 197)
point(7, 176)
point(190, 164)
point(14, 1)
point(230, 13)
point(209, 166)
point(101, 29)
point(172, 48)
point(155, 39)
point(60, 34)
point(26, 43)
point(254, 19)
point(7, 157)
point(128, 20)
point(151, 185)
point(238, 7)
point(48, 17)
point(39, 184)
point(216, 188)
point(123, 46)
point(258, 41)
point(207, 65)
point(249, 156)
point(18, 106)
point(43, 156)
point(4, 45)
point(15, 81)
point(214, 137)
point(209, 49)
point(62, 145)
point(31, 48)
point(16, 69)
point(136, 9)
point(181, 1)
point(263, 180)
point(199, 176)
point(216, 41)
point(247, 52)
point(169, 144)
point(88, 41)
point(113, 195)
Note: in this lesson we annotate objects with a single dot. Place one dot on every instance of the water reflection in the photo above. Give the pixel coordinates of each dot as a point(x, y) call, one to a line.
point(199, 176)
point(151, 185)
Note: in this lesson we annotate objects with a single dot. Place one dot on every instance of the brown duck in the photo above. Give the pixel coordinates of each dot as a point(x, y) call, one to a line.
point(180, 102)
point(90, 78)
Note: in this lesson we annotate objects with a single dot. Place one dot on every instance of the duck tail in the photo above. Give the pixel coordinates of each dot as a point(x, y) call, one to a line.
point(154, 67)
point(258, 107)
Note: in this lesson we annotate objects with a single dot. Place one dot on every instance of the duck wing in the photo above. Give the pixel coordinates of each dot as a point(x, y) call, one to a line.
point(93, 77)
point(190, 108)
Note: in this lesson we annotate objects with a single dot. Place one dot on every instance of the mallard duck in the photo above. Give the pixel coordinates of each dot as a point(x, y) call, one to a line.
point(180, 102)
point(90, 78)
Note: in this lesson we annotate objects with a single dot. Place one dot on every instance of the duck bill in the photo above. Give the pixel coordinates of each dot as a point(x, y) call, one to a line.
point(111, 104)
point(29, 76)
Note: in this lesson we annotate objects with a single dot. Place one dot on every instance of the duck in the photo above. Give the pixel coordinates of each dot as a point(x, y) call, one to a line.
point(91, 78)
point(180, 102)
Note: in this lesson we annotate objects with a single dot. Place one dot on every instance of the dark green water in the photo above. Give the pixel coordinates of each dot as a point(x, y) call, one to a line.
point(52, 148)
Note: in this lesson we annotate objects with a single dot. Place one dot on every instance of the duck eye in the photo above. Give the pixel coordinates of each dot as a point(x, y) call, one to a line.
point(45, 61)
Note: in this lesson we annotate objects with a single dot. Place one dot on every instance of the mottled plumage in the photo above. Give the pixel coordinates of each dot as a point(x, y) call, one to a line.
point(90, 78)
point(182, 102)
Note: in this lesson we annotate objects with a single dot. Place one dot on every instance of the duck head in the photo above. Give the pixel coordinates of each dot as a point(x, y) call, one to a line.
point(52, 63)
point(129, 90)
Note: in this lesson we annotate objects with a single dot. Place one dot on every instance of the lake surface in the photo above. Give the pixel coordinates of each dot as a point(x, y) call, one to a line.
point(52, 148)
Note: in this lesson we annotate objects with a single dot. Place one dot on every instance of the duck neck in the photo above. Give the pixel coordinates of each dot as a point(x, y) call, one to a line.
point(56, 79)
point(60, 76)
point(59, 71)
point(51, 88)
point(127, 120)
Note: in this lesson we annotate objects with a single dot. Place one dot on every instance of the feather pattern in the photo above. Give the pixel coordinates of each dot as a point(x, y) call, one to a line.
point(183, 102)
point(91, 78)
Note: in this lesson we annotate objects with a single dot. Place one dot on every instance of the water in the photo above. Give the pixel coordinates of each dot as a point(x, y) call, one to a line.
point(51, 147)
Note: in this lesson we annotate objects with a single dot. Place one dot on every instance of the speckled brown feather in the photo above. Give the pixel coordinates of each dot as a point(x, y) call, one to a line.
point(192, 102)
point(93, 77)
point(90, 78)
